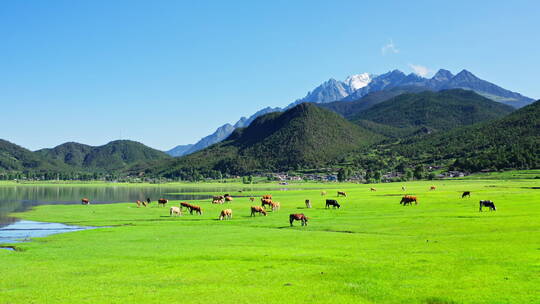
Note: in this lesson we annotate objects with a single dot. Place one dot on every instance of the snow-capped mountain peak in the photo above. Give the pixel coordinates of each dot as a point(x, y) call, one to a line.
point(358, 81)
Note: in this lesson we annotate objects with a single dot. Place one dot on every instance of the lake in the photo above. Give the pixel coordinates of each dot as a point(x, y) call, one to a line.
point(18, 198)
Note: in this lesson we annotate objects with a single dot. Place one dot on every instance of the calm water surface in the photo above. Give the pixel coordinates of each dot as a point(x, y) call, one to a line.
point(22, 197)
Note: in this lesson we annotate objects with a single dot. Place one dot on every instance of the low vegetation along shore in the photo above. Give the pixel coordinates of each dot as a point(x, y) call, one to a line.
point(371, 250)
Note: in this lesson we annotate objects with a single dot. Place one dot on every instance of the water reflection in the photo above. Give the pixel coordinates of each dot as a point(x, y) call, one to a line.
point(22, 197)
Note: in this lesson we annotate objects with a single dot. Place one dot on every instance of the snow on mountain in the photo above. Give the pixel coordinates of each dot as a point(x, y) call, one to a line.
point(358, 81)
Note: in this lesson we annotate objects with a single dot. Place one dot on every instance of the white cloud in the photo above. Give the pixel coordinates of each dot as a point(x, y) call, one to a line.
point(419, 69)
point(390, 47)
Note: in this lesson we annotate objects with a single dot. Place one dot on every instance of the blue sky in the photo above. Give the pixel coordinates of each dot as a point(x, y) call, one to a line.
point(169, 72)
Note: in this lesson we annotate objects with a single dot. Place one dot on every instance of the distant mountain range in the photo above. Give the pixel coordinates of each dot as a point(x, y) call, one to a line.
point(432, 128)
point(75, 157)
point(361, 91)
point(303, 136)
point(310, 136)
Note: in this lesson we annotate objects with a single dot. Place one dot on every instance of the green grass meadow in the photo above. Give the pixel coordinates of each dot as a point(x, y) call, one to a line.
point(372, 250)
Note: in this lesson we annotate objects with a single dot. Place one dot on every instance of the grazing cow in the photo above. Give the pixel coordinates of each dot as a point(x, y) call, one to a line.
point(342, 193)
point(197, 209)
point(226, 194)
point(275, 206)
point(408, 199)
point(373, 189)
point(162, 202)
point(217, 201)
point(148, 201)
point(298, 217)
point(333, 203)
point(466, 193)
point(138, 202)
point(267, 196)
point(218, 197)
point(266, 202)
point(432, 188)
point(228, 198)
point(175, 211)
point(488, 204)
point(308, 204)
point(257, 209)
point(252, 199)
point(323, 193)
point(185, 204)
point(225, 214)
point(85, 201)
point(144, 203)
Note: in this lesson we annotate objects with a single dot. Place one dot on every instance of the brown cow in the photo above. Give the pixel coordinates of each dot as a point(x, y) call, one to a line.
point(225, 214)
point(432, 188)
point(228, 198)
point(138, 202)
point(195, 208)
point(298, 217)
point(308, 204)
point(267, 196)
point(373, 189)
point(162, 202)
point(409, 199)
point(257, 209)
point(252, 199)
point(342, 193)
point(85, 201)
point(266, 202)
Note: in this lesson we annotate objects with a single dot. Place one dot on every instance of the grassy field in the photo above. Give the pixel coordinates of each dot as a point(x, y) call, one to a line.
point(372, 250)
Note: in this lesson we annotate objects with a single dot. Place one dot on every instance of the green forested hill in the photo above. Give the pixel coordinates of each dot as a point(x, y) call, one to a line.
point(112, 156)
point(435, 111)
point(303, 136)
point(510, 142)
point(17, 158)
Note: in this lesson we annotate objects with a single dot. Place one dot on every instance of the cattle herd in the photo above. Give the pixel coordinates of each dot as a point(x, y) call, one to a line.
point(267, 201)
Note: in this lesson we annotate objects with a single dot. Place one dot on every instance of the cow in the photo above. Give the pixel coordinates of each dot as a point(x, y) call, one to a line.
point(323, 193)
point(148, 201)
point(432, 188)
point(267, 196)
point(85, 201)
point(217, 201)
point(466, 193)
point(373, 189)
point(308, 204)
point(138, 202)
point(225, 214)
point(298, 217)
point(342, 193)
point(488, 204)
point(266, 202)
point(408, 199)
point(185, 204)
point(176, 211)
point(403, 188)
point(144, 203)
point(333, 203)
point(252, 199)
point(197, 209)
point(257, 209)
point(162, 202)
point(228, 198)
point(218, 197)
point(275, 206)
